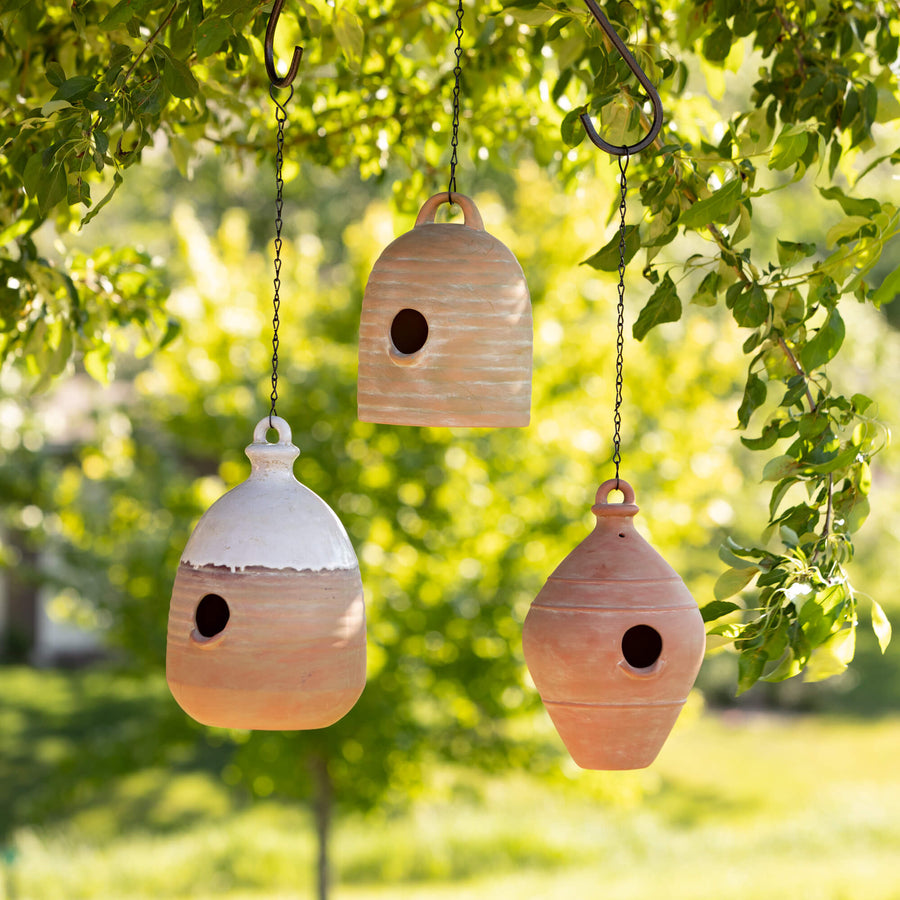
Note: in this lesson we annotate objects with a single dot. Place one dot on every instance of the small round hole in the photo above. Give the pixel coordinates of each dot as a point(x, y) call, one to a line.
point(212, 615)
point(409, 331)
point(621, 534)
point(641, 646)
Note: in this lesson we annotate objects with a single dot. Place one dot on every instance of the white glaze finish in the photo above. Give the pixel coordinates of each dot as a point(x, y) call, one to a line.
point(270, 520)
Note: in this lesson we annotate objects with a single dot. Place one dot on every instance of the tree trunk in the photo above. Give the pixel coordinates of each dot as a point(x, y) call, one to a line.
point(323, 801)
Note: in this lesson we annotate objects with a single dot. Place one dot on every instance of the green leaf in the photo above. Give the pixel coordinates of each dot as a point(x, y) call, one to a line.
point(787, 668)
point(847, 229)
point(75, 88)
point(769, 436)
point(121, 13)
point(750, 667)
point(754, 397)
point(788, 306)
point(888, 290)
point(708, 292)
point(852, 206)
point(663, 306)
point(832, 657)
point(780, 467)
point(349, 32)
point(751, 308)
point(530, 14)
point(179, 79)
point(826, 342)
point(53, 188)
point(713, 209)
point(730, 558)
point(717, 44)
point(733, 581)
point(789, 146)
point(791, 252)
point(715, 609)
point(211, 34)
point(881, 626)
point(778, 494)
point(607, 258)
point(54, 72)
point(117, 180)
point(52, 106)
point(572, 130)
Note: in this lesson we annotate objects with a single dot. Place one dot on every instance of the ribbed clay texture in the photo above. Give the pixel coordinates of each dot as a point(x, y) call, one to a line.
point(267, 625)
point(445, 334)
point(614, 642)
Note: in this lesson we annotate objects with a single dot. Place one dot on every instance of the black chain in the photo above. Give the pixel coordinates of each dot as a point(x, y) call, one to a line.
point(457, 72)
point(620, 339)
point(280, 119)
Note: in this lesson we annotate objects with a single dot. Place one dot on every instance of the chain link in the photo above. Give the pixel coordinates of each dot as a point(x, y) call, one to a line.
point(457, 72)
point(280, 119)
point(620, 337)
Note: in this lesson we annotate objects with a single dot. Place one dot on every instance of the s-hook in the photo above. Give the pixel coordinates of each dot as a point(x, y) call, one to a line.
point(604, 23)
point(269, 51)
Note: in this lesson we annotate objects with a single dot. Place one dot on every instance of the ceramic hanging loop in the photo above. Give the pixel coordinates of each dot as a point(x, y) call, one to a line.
point(652, 93)
point(269, 51)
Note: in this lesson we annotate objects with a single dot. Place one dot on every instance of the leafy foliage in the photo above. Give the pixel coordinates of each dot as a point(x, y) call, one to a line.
point(91, 90)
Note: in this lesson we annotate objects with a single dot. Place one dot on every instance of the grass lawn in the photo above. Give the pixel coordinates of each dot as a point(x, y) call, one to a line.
point(737, 806)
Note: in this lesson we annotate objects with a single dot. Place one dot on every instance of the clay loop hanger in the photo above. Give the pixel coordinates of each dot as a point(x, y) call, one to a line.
point(269, 51)
point(625, 53)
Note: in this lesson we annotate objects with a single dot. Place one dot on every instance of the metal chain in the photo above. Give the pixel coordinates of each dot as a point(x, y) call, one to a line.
point(280, 119)
point(620, 338)
point(457, 72)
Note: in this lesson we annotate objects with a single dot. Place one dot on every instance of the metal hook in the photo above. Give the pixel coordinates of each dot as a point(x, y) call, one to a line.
point(269, 51)
point(604, 23)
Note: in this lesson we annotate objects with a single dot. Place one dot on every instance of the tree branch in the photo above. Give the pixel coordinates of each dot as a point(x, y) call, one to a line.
point(150, 41)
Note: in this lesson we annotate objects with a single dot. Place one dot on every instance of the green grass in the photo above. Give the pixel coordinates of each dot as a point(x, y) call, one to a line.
point(740, 806)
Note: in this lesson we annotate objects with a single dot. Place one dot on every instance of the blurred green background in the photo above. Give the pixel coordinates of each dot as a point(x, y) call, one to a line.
point(446, 779)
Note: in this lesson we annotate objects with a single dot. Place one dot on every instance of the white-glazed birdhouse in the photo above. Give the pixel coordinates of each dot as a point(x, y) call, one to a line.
point(267, 621)
point(445, 336)
point(614, 641)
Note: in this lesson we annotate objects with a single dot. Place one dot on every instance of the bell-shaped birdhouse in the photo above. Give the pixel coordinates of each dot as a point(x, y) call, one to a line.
point(267, 623)
point(445, 336)
point(614, 641)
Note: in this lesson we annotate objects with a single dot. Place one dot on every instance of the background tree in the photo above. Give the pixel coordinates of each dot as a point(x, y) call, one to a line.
point(95, 94)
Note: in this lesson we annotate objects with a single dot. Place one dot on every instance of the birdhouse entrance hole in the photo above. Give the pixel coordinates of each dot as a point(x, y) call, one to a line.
point(212, 615)
point(641, 646)
point(409, 331)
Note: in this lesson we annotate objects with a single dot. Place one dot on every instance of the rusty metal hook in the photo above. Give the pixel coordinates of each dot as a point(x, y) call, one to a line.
point(269, 51)
point(604, 23)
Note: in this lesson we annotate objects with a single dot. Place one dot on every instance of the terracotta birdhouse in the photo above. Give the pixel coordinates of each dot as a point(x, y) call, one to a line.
point(445, 336)
point(614, 642)
point(267, 622)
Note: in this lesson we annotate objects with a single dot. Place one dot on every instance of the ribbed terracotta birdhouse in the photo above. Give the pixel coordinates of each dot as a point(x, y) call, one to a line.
point(614, 641)
point(267, 627)
point(445, 336)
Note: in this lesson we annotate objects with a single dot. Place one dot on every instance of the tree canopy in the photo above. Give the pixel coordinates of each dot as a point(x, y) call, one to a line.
point(769, 107)
point(758, 233)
